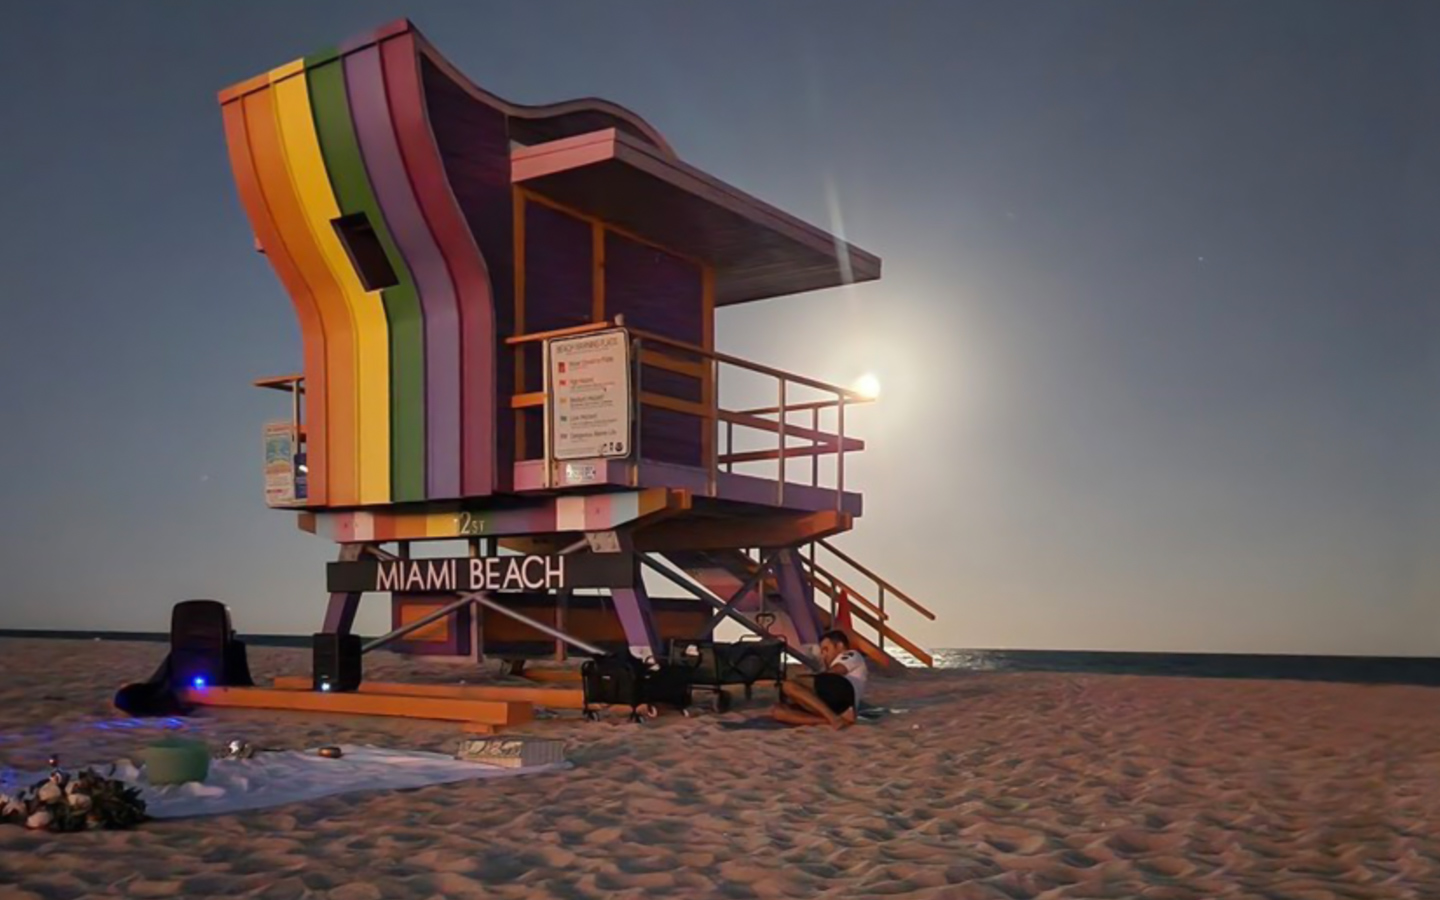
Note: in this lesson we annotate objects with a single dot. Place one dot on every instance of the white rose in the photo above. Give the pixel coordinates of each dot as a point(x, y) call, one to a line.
point(49, 793)
point(80, 801)
point(41, 819)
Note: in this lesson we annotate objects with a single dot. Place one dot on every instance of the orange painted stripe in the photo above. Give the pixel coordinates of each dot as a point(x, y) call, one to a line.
point(307, 310)
point(342, 400)
point(488, 712)
point(545, 697)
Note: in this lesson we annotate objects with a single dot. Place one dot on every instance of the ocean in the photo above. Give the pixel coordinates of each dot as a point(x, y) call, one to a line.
point(1417, 670)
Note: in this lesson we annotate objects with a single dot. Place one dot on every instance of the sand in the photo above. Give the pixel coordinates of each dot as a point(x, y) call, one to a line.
point(1004, 786)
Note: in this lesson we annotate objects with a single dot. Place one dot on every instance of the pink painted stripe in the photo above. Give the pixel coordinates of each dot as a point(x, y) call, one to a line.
point(466, 265)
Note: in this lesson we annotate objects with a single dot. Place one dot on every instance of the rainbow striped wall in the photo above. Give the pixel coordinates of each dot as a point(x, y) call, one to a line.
point(400, 401)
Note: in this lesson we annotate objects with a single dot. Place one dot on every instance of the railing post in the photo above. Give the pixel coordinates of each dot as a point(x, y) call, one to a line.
point(814, 459)
point(883, 617)
point(840, 458)
point(545, 436)
point(780, 485)
point(712, 430)
point(729, 446)
point(639, 405)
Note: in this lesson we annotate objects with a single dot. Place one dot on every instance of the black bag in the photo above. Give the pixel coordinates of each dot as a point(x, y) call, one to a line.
point(204, 652)
point(620, 679)
point(153, 697)
point(612, 680)
point(666, 685)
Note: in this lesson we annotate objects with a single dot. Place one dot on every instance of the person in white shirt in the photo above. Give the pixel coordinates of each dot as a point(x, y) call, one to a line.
point(837, 692)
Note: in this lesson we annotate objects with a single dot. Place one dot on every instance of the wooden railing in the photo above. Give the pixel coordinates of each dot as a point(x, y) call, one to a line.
point(864, 611)
point(792, 440)
point(872, 612)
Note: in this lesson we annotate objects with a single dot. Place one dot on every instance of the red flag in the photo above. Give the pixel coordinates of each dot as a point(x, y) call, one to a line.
point(842, 612)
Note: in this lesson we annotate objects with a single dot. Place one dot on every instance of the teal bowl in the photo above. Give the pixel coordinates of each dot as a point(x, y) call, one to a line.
point(176, 761)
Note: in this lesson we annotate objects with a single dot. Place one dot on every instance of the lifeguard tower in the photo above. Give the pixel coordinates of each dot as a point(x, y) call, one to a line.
point(508, 318)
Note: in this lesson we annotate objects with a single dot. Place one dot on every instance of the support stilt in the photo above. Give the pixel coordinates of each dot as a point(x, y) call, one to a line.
point(340, 612)
point(798, 595)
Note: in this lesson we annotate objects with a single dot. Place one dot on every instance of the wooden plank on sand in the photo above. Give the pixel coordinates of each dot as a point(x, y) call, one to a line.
point(486, 712)
point(548, 697)
point(553, 676)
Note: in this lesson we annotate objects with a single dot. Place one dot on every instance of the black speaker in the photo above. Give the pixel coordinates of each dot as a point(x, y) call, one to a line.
point(337, 662)
point(202, 646)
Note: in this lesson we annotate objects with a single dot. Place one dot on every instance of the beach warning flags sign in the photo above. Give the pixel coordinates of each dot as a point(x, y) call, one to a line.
point(842, 611)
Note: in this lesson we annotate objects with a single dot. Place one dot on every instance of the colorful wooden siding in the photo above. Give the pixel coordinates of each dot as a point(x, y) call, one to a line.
point(418, 221)
point(400, 376)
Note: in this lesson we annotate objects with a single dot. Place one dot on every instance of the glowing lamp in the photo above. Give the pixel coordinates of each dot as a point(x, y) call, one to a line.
point(868, 386)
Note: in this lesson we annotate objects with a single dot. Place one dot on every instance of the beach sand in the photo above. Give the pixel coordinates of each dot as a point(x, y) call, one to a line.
point(995, 785)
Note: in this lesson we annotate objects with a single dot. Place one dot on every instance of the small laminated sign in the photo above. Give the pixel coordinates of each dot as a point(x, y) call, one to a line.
point(512, 752)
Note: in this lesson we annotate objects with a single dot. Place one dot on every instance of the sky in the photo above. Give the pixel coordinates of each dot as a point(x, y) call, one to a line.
point(1157, 331)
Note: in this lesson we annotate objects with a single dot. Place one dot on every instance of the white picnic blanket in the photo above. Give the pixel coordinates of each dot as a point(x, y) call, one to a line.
point(276, 778)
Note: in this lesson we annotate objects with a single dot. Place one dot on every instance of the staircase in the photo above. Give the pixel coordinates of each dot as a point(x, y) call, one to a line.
point(725, 573)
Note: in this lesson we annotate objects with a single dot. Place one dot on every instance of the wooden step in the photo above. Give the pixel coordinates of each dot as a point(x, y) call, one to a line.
point(547, 697)
point(483, 712)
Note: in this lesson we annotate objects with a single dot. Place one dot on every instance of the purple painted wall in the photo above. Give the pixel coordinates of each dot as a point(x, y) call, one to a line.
point(558, 290)
point(660, 293)
point(475, 147)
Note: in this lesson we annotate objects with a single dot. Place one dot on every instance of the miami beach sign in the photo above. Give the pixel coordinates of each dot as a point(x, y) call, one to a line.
point(497, 574)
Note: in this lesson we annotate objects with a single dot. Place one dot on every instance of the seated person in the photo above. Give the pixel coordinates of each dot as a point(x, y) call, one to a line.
point(836, 695)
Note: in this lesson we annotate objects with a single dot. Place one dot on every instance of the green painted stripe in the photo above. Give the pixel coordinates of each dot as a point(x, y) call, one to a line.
point(346, 167)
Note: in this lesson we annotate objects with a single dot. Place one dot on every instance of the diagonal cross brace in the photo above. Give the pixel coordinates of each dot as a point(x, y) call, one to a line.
point(701, 593)
point(745, 588)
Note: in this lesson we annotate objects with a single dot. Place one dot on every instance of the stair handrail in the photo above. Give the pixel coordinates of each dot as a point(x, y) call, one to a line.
point(819, 571)
point(886, 585)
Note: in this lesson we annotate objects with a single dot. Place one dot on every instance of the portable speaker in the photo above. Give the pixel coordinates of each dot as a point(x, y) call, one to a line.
point(337, 662)
point(200, 640)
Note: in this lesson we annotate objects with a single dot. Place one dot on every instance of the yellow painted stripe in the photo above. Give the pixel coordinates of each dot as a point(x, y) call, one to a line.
point(441, 525)
point(312, 185)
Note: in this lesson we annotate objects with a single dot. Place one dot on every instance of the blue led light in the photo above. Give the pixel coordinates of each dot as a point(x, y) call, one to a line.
point(198, 681)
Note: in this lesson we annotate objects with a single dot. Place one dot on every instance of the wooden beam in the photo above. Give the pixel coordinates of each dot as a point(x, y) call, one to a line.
point(541, 199)
point(546, 697)
point(552, 676)
point(722, 534)
point(763, 455)
point(518, 237)
point(709, 386)
point(792, 431)
point(485, 712)
point(557, 332)
point(286, 383)
point(674, 404)
point(669, 364)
